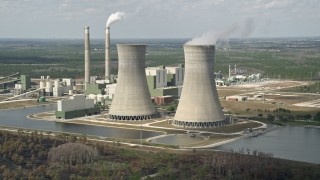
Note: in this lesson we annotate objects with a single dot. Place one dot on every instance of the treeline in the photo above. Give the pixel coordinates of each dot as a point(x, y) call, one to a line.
point(35, 155)
point(54, 71)
point(285, 65)
point(313, 87)
point(285, 115)
point(282, 65)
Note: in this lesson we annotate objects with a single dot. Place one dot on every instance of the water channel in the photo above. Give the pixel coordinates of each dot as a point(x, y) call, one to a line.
point(18, 118)
point(289, 142)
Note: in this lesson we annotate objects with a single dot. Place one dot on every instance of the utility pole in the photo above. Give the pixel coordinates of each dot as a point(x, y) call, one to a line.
point(247, 99)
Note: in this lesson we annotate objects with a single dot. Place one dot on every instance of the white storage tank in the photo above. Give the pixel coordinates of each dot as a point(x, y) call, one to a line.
point(42, 84)
point(93, 96)
point(105, 96)
point(70, 92)
point(100, 98)
point(48, 86)
point(57, 83)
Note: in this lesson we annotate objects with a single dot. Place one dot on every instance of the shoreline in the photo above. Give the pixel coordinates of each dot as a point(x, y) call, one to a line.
point(163, 132)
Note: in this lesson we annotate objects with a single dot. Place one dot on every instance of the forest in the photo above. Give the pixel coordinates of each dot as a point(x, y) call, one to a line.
point(37, 155)
point(313, 87)
point(296, 59)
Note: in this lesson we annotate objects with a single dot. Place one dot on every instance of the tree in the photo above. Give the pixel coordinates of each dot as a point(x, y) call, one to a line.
point(307, 117)
point(171, 108)
point(317, 116)
point(73, 153)
point(270, 117)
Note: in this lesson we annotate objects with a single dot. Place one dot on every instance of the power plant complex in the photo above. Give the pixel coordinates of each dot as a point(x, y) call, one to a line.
point(198, 107)
point(134, 93)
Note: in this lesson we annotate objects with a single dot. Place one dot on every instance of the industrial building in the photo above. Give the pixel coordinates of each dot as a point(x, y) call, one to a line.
point(22, 86)
point(75, 106)
point(236, 98)
point(165, 81)
point(199, 105)
point(56, 87)
point(162, 100)
point(98, 99)
point(132, 100)
point(25, 81)
point(175, 75)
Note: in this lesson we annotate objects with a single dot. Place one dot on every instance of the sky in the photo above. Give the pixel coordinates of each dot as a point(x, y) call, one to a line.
point(159, 18)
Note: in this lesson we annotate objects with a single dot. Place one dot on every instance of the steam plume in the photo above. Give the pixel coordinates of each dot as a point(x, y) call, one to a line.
point(248, 28)
point(211, 37)
point(115, 17)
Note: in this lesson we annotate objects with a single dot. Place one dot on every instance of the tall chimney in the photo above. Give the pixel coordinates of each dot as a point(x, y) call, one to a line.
point(107, 54)
point(86, 56)
point(229, 71)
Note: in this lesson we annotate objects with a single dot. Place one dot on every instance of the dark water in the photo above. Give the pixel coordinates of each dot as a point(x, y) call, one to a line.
point(18, 118)
point(289, 142)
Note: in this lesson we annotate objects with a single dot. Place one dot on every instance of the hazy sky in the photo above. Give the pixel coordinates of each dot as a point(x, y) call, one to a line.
point(158, 18)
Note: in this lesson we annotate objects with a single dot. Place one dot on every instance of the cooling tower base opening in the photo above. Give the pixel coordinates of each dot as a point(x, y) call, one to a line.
point(134, 118)
point(187, 124)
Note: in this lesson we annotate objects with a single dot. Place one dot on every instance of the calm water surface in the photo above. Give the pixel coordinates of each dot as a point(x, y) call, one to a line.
point(18, 118)
point(289, 142)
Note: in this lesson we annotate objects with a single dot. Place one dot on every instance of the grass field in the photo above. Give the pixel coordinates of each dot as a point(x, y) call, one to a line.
point(19, 104)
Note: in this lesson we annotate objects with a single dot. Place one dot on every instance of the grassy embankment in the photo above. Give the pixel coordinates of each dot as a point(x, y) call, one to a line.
point(20, 104)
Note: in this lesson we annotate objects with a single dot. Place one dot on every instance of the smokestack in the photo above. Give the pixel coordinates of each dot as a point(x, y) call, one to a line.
point(112, 18)
point(86, 56)
point(107, 54)
point(235, 69)
point(132, 100)
point(199, 105)
point(229, 71)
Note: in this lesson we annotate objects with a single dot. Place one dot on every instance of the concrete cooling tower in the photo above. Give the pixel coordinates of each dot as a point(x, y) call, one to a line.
point(132, 100)
point(199, 105)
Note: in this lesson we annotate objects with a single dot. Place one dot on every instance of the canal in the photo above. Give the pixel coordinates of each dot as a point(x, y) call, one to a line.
point(18, 118)
point(288, 142)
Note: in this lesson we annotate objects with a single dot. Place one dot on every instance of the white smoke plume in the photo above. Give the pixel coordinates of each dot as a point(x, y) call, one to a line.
point(211, 37)
point(248, 27)
point(115, 17)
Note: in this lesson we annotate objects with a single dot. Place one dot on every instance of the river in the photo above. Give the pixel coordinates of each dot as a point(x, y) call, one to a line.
point(288, 142)
point(18, 118)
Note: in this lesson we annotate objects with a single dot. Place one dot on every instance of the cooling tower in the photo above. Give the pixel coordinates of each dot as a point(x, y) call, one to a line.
point(86, 56)
point(107, 53)
point(199, 104)
point(132, 100)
